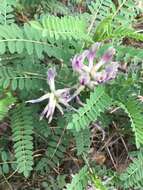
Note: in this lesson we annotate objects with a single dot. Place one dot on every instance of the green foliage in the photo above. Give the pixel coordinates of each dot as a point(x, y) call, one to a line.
point(54, 153)
point(126, 12)
point(22, 130)
point(55, 7)
point(101, 9)
point(79, 181)
point(122, 32)
point(134, 111)
point(6, 11)
point(54, 184)
point(97, 103)
point(127, 53)
point(20, 78)
point(28, 3)
point(26, 39)
point(36, 35)
point(66, 27)
point(6, 101)
point(5, 158)
point(133, 176)
point(114, 24)
point(104, 29)
point(83, 141)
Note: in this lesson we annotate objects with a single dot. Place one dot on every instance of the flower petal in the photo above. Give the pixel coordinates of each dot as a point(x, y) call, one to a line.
point(44, 112)
point(108, 55)
point(92, 53)
point(77, 61)
point(51, 78)
point(44, 97)
point(112, 70)
point(50, 108)
point(106, 58)
point(51, 111)
point(108, 73)
point(60, 108)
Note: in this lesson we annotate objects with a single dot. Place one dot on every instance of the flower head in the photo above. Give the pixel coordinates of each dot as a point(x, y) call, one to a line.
point(93, 74)
point(56, 97)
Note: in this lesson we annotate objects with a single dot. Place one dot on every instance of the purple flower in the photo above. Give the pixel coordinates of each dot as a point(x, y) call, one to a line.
point(56, 97)
point(92, 74)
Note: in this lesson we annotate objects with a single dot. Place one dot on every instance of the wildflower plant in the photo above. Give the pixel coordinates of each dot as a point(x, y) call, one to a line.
point(85, 58)
point(90, 75)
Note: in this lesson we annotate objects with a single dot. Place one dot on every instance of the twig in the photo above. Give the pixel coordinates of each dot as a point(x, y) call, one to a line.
point(126, 148)
point(111, 157)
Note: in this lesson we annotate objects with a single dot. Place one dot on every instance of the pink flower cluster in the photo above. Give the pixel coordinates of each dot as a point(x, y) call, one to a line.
point(90, 75)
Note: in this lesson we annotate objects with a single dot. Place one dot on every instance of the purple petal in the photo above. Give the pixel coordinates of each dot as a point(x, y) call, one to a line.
point(107, 57)
point(77, 61)
point(51, 77)
point(92, 53)
point(108, 73)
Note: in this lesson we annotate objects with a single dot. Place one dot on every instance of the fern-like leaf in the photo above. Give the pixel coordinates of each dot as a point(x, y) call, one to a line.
point(67, 27)
point(20, 78)
point(83, 177)
point(22, 130)
point(100, 9)
point(133, 176)
point(17, 39)
point(55, 152)
point(134, 111)
point(83, 141)
point(6, 12)
point(97, 103)
point(79, 181)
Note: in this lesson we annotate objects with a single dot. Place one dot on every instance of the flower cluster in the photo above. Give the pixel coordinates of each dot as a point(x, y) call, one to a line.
point(93, 74)
point(89, 75)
